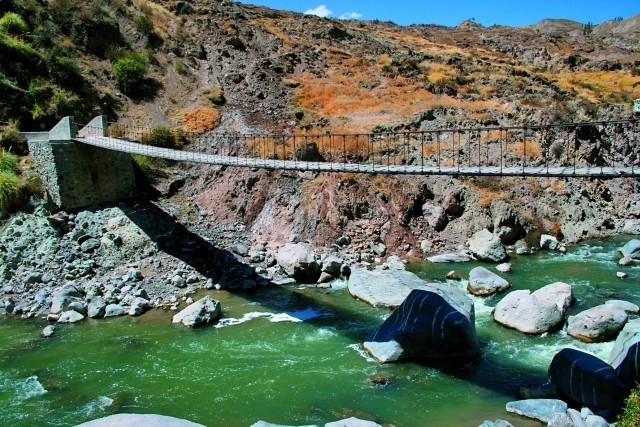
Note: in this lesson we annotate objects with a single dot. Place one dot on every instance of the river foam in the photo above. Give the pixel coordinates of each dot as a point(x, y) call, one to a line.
point(292, 316)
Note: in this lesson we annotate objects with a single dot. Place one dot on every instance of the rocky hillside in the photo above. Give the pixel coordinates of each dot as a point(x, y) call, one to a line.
point(225, 66)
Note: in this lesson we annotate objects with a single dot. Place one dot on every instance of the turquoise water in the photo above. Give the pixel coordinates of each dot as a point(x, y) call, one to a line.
point(265, 366)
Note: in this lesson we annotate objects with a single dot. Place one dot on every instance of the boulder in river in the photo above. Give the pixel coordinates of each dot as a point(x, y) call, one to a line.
point(631, 249)
point(383, 288)
point(450, 257)
point(96, 307)
point(70, 317)
point(597, 324)
point(199, 313)
point(299, 262)
point(428, 325)
point(483, 282)
point(487, 246)
point(625, 355)
point(586, 380)
point(537, 312)
point(538, 409)
point(138, 420)
point(352, 422)
point(549, 242)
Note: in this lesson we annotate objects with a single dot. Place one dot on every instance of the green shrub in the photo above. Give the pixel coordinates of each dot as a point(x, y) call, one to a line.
point(50, 101)
point(631, 415)
point(144, 24)
point(14, 24)
point(151, 167)
point(180, 67)
point(216, 96)
point(9, 163)
point(160, 136)
point(14, 46)
point(10, 190)
point(130, 70)
point(64, 70)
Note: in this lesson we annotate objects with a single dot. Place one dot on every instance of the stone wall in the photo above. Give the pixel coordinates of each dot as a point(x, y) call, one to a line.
point(77, 175)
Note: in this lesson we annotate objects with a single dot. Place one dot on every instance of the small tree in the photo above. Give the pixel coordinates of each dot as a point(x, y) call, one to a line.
point(129, 71)
point(144, 24)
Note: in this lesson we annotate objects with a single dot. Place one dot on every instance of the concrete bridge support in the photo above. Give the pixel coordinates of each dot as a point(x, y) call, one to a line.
point(78, 175)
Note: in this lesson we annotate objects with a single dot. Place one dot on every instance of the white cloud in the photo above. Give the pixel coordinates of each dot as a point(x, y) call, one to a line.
point(351, 15)
point(321, 11)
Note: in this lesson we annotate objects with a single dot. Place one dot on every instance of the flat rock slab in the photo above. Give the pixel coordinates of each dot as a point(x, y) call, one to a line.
point(445, 258)
point(266, 424)
point(352, 422)
point(139, 420)
point(539, 409)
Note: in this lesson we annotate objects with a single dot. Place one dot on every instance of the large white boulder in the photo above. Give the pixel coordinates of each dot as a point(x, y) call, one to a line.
point(537, 312)
point(483, 282)
point(487, 246)
point(199, 313)
point(138, 420)
point(598, 324)
point(298, 260)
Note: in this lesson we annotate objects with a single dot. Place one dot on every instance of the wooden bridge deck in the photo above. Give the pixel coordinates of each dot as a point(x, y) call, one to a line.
point(370, 168)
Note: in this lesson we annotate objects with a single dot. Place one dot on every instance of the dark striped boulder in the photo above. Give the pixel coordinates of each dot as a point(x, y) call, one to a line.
point(426, 326)
point(625, 355)
point(587, 381)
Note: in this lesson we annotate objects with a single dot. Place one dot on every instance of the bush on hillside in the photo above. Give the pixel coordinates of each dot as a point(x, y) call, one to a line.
point(9, 190)
point(9, 163)
point(160, 136)
point(129, 71)
point(144, 24)
point(631, 415)
point(13, 24)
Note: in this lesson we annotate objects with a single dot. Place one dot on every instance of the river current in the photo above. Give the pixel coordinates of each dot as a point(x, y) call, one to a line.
point(293, 356)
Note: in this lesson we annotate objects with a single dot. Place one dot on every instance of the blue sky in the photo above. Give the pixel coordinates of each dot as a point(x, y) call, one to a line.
point(448, 12)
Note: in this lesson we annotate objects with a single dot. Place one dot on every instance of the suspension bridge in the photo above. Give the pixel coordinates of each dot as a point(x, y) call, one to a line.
point(589, 149)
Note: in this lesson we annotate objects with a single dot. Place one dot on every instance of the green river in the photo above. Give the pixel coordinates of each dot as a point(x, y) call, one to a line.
point(258, 364)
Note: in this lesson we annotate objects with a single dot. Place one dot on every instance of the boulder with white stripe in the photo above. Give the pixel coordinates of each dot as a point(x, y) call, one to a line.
point(429, 325)
point(587, 381)
point(625, 355)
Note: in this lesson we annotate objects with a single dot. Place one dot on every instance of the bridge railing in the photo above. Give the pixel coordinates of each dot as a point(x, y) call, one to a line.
point(577, 146)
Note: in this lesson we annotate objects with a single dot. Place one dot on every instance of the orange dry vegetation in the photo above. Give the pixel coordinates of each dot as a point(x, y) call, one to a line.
point(200, 120)
point(595, 86)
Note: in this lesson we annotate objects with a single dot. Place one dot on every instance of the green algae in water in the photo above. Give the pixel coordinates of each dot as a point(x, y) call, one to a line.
point(261, 366)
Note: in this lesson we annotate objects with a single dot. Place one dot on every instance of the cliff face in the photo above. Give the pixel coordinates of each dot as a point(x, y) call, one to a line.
point(261, 70)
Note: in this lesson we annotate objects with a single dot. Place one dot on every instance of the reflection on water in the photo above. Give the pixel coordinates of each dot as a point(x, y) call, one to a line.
point(291, 356)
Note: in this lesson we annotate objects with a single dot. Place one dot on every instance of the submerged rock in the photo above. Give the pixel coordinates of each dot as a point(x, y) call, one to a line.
point(496, 423)
point(428, 325)
point(483, 282)
point(598, 324)
point(586, 380)
point(199, 313)
point(48, 331)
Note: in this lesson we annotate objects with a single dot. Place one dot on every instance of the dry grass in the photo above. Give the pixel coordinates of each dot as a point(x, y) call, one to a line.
point(598, 86)
point(530, 149)
point(200, 120)
point(159, 15)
